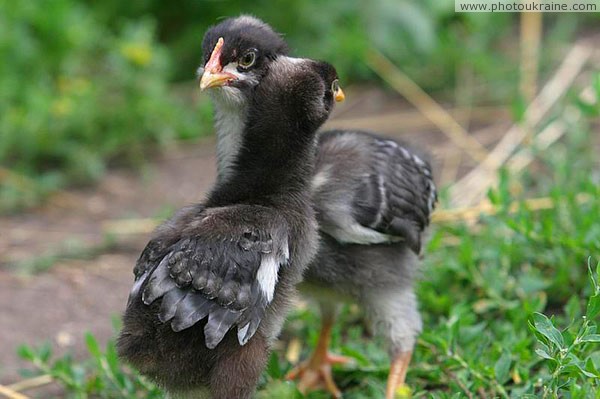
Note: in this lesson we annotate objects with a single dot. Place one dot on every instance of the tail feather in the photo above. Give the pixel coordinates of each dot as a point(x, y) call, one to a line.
point(159, 284)
point(220, 321)
point(169, 304)
point(191, 309)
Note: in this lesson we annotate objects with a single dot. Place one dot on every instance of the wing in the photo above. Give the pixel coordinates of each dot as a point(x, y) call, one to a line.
point(386, 193)
point(398, 196)
point(223, 267)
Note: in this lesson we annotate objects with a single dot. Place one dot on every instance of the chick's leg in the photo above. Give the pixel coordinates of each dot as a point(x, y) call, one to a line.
point(394, 315)
point(315, 373)
point(397, 375)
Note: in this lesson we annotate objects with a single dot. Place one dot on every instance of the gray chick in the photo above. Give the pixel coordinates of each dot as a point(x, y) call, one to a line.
point(373, 197)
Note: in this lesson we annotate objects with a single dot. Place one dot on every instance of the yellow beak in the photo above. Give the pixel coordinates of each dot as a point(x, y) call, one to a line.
point(209, 79)
point(213, 75)
point(339, 95)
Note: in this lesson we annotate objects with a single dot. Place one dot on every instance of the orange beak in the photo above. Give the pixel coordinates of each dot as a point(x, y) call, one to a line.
point(213, 75)
point(339, 95)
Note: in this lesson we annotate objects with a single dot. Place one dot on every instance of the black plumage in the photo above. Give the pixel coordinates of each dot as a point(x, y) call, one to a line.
point(243, 33)
point(373, 197)
point(214, 283)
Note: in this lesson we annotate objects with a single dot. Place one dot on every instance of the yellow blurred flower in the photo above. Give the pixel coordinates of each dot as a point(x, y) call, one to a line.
point(61, 107)
point(64, 83)
point(138, 53)
point(403, 392)
point(78, 85)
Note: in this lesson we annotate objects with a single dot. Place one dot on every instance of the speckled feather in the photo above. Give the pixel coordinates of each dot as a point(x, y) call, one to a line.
point(219, 269)
point(372, 189)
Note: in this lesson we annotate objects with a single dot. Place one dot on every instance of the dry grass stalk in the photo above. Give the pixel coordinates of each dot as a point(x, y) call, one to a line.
point(531, 34)
point(450, 166)
point(413, 120)
point(472, 213)
point(30, 383)
point(543, 140)
point(293, 351)
point(11, 394)
point(549, 135)
point(472, 187)
point(129, 226)
point(424, 103)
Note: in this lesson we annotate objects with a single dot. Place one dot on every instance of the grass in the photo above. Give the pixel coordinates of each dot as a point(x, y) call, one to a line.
point(510, 305)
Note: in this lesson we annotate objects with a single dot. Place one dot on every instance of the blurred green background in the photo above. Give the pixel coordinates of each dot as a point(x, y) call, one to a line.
point(86, 84)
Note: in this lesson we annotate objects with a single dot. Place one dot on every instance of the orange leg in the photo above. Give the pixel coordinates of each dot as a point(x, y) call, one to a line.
point(315, 373)
point(397, 375)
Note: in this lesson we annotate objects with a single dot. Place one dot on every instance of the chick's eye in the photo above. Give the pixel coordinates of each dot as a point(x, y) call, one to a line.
point(335, 86)
point(247, 60)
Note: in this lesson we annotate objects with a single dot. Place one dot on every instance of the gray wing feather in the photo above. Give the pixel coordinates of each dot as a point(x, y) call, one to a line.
point(169, 304)
point(193, 308)
point(159, 283)
point(229, 279)
point(220, 320)
point(406, 189)
point(378, 189)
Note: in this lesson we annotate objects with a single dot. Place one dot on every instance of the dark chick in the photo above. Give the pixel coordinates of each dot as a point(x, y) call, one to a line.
point(214, 284)
point(373, 197)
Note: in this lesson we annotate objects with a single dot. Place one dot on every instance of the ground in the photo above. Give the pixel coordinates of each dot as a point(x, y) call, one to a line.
point(83, 293)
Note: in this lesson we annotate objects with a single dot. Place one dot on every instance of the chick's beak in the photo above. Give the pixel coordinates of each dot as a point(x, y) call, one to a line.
point(339, 95)
point(213, 75)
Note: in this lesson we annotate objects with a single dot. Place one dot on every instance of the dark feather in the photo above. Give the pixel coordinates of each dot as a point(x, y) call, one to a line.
point(406, 229)
point(159, 283)
point(220, 320)
point(211, 271)
point(169, 303)
point(191, 309)
point(250, 320)
point(378, 183)
point(137, 285)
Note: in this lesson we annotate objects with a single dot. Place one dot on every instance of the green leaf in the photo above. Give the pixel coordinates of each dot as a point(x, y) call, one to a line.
point(502, 367)
point(543, 354)
point(518, 108)
point(596, 84)
point(589, 109)
point(593, 307)
point(45, 352)
point(92, 345)
point(25, 352)
point(577, 369)
point(361, 359)
point(591, 338)
point(545, 327)
point(589, 366)
point(593, 280)
point(279, 389)
point(273, 367)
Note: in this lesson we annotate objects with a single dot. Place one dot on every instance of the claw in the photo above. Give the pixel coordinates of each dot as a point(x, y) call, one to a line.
point(315, 374)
